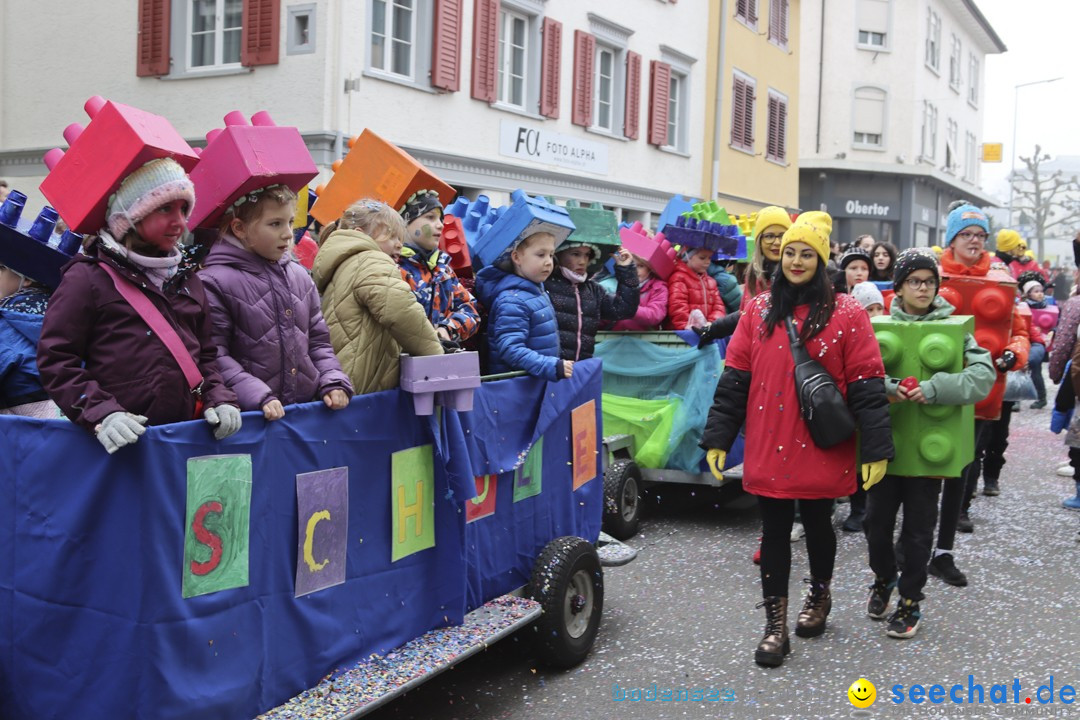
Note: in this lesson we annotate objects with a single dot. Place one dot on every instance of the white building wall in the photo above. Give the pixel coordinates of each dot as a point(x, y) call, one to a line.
point(91, 50)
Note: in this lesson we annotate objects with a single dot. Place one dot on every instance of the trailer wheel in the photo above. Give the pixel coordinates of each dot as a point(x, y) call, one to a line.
point(622, 499)
point(568, 582)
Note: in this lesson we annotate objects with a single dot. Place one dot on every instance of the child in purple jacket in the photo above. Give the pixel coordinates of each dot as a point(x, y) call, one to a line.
point(273, 345)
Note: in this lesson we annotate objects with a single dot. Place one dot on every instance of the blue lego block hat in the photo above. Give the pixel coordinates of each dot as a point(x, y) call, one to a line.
point(28, 248)
point(523, 218)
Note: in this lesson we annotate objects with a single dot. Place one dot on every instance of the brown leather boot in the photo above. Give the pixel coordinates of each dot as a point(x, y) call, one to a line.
point(775, 645)
point(816, 608)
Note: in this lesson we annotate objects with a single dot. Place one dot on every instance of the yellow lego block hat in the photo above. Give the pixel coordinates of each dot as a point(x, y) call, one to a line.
point(812, 228)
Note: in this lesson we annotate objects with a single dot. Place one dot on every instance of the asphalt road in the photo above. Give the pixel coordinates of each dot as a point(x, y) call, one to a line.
point(682, 616)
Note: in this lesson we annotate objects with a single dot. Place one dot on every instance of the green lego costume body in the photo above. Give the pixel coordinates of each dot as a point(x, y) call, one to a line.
point(936, 439)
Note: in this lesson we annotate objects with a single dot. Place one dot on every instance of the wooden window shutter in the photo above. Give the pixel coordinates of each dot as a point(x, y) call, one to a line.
point(774, 20)
point(781, 129)
point(772, 143)
point(748, 116)
point(784, 11)
point(751, 10)
point(259, 38)
point(584, 61)
point(633, 95)
point(738, 110)
point(153, 41)
point(485, 49)
point(446, 46)
point(550, 67)
point(659, 92)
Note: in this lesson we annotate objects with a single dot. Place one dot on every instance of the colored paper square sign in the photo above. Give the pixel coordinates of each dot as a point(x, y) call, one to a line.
point(483, 504)
point(583, 442)
point(322, 501)
point(217, 522)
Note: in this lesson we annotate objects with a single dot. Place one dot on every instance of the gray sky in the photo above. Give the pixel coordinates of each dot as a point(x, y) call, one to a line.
point(1042, 41)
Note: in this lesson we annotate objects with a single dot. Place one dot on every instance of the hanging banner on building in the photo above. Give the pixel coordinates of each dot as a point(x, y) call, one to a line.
point(522, 141)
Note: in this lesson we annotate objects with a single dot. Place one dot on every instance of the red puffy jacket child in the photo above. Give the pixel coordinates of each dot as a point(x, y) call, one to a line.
point(690, 288)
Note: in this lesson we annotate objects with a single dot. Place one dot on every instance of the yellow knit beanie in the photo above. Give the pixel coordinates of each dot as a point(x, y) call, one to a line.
point(812, 228)
point(771, 215)
point(1009, 240)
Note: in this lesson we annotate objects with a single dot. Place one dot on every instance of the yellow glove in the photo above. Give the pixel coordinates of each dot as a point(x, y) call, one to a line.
point(716, 459)
point(872, 472)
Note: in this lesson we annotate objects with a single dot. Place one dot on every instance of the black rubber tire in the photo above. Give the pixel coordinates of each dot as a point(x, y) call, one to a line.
point(622, 499)
point(567, 565)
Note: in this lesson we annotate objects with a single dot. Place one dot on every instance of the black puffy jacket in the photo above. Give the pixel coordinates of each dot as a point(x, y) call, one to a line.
point(579, 308)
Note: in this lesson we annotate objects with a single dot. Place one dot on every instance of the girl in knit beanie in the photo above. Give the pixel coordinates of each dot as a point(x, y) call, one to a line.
point(111, 367)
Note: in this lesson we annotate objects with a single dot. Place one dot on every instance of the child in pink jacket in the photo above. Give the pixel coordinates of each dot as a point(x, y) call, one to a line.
point(652, 308)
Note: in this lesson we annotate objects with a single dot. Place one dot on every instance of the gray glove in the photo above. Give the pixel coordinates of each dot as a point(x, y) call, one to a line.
point(119, 429)
point(225, 419)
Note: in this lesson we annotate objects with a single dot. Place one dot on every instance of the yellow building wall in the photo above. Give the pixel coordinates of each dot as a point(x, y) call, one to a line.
point(748, 182)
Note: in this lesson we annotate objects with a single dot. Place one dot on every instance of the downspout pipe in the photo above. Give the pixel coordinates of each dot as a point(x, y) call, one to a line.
point(820, 77)
point(718, 118)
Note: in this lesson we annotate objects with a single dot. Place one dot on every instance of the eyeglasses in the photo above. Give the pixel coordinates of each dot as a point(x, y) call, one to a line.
point(917, 284)
point(771, 236)
point(972, 236)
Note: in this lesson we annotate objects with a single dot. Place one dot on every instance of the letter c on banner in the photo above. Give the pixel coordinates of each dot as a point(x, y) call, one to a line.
point(309, 541)
point(206, 538)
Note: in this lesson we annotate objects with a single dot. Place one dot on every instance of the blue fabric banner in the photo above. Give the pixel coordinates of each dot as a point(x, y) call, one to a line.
point(93, 621)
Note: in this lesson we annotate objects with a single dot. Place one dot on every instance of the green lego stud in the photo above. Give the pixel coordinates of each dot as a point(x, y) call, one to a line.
point(937, 351)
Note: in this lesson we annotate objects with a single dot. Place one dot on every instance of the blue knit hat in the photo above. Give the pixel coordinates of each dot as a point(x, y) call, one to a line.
point(962, 217)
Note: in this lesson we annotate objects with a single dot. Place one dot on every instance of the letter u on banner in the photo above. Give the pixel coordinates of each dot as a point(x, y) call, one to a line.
point(217, 524)
point(583, 442)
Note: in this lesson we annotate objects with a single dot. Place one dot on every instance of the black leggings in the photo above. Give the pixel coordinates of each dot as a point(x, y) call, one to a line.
point(777, 517)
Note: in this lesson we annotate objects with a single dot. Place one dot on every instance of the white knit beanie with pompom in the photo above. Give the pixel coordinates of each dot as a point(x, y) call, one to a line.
point(146, 189)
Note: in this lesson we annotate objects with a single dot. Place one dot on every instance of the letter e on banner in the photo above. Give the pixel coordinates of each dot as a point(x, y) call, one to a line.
point(583, 442)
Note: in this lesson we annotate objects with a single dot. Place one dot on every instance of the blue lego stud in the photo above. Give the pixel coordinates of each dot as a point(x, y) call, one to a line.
point(524, 216)
point(473, 215)
point(24, 246)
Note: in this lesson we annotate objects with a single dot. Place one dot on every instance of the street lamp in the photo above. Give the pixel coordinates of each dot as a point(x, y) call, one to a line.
point(1012, 150)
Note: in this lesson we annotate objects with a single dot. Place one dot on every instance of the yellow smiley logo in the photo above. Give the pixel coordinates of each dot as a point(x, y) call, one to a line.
point(862, 693)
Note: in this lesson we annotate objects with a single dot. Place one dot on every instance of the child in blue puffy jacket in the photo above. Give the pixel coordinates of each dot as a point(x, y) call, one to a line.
point(522, 332)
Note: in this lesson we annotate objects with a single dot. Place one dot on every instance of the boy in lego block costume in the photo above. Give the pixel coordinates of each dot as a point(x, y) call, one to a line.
point(972, 284)
point(920, 337)
point(449, 306)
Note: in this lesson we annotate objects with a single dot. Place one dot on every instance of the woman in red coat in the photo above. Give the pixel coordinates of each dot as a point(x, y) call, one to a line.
point(782, 463)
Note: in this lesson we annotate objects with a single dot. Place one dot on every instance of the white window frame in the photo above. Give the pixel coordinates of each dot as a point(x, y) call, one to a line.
point(955, 55)
point(872, 35)
point(504, 64)
point(865, 143)
point(778, 160)
point(929, 132)
point(598, 97)
point(533, 13)
point(387, 33)
point(610, 38)
point(294, 44)
point(933, 41)
point(971, 157)
point(219, 38)
point(681, 65)
point(973, 80)
point(952, 146)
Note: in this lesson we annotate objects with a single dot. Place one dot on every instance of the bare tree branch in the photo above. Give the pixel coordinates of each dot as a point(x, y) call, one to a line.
point(1050, 200)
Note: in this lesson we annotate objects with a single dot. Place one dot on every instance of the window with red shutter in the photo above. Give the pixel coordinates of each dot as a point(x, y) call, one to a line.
point(485, 47)
point(776, 144)
point(584, 53)
point(742, 113)
point(659, 89)
point(778, 19)
point(261, 32)
point(551, 66)
point(446, 46)
point(153, 40)
point(633, 95)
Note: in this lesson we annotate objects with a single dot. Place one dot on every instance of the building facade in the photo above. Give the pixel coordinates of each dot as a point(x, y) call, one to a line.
point(891, 114)
point(752, 96)
point(596, 101)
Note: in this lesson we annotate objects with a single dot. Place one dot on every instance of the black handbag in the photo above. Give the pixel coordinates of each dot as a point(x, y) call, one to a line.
point(821, 403)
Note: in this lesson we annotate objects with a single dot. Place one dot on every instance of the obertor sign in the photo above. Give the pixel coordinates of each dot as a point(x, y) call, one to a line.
point(854, 207)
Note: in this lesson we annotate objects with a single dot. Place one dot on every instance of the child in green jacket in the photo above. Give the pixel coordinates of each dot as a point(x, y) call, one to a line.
point(916, 280)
